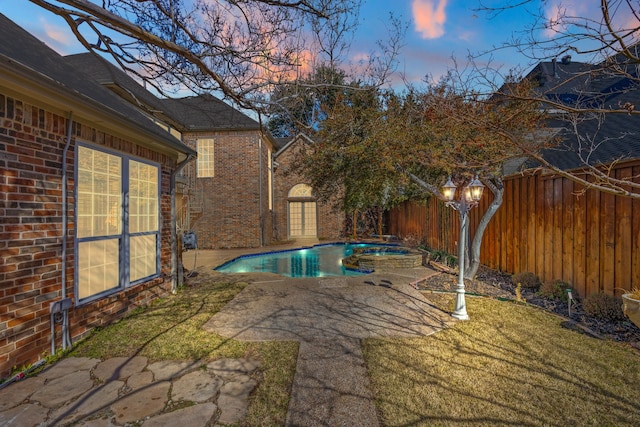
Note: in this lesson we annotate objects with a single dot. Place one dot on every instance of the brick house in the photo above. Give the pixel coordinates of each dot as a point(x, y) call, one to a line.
point(229, 191)
point(86, 204)
point(233, 196)
point(297, 213)
point(226, 197)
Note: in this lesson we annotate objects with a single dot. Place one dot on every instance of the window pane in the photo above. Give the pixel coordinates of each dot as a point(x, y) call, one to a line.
point(301, 190)
point(295, 219)
point(99, 193)
point(143, 197)
point(98, 267)
point(143, 256)
point(205, 158)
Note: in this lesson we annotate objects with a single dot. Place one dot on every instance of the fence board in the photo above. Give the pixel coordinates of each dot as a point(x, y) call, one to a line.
point(622, 245)
point(567, 210)
point(547, 270)
point(593, 242)
point(635, 235)
point(607, 243)
point(579, 240)
point(531, 223)
point(556, 240)
point(540, 226)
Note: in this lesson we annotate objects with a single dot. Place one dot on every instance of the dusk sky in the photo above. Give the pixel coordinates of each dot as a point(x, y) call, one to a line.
point(438, 30)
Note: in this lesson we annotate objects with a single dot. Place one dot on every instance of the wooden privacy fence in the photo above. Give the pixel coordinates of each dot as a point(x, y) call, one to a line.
point(547, 225)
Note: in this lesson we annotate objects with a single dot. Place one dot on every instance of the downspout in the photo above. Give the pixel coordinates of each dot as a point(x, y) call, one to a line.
point(59, 310)
point(260, 191)
point(175, 280)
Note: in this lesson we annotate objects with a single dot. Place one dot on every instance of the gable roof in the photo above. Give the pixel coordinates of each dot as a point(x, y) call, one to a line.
point(286, 143)
point(207, 113)
point(27, 62)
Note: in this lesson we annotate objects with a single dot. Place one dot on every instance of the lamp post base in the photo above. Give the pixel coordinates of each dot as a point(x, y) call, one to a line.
point(460, 316)
point(460, 311)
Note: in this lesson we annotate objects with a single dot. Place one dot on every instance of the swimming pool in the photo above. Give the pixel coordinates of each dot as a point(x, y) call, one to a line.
point(315, 261)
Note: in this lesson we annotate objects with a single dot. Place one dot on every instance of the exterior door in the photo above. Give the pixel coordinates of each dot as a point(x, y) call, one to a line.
point(302, 219)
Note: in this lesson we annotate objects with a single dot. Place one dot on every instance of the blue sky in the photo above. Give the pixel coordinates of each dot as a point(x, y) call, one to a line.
point(438, 30)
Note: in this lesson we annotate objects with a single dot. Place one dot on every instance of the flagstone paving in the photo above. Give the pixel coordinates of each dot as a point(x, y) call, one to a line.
point(119, 391)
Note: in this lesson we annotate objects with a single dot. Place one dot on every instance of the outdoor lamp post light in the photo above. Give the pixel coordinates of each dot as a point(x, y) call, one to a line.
point(469, 197)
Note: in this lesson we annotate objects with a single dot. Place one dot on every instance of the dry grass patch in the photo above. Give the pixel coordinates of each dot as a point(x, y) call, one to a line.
point(171, 329)
point(509, 365)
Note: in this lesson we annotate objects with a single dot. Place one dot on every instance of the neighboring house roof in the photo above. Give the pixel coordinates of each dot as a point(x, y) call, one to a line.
point(286, 143)
point(594, 139)
point(27, 61)
point(281, 142)
point(208, 113)
point(561, 81)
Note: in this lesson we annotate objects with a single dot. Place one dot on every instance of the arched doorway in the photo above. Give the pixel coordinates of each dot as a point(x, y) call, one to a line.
point(303, 219)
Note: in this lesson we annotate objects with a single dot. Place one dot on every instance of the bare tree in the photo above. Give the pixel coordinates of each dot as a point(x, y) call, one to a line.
point(299, 105)
point(593, 105)
point(240, 49)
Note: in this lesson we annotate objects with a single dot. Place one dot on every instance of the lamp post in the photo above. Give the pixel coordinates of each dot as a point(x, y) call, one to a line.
point(469, 197)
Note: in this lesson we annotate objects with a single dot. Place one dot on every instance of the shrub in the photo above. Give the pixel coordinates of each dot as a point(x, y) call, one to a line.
point(444, 258)
point(527, 280)
point(603, 306)
point(555, 290)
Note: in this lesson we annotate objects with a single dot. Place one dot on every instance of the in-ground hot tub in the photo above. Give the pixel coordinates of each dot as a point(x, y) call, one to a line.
point(384, 257)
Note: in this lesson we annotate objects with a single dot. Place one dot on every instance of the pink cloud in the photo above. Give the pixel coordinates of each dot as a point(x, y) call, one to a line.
point(562, 14)
point(429, 17)
point(59, 38)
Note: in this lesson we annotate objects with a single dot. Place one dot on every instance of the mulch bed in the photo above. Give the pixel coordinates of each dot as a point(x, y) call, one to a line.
point(495, 284)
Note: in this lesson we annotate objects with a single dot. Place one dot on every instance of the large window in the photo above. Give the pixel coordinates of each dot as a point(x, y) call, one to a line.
point(117, 227)
point(205, 158)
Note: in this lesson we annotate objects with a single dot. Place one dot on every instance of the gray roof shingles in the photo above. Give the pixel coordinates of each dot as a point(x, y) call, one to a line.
point(601, 138)
point(35, 58)
point(206, 112)
point(196, 113)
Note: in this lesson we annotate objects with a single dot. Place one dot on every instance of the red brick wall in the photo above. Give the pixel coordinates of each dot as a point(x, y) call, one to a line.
point(31, 146)
point(330, 221)
point(230, 200)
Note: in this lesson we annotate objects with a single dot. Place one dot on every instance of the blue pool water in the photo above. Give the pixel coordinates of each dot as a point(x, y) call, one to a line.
point(316, 261)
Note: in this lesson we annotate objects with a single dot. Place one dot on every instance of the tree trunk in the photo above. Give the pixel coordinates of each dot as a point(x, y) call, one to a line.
point(355, 225)
point(497, 189)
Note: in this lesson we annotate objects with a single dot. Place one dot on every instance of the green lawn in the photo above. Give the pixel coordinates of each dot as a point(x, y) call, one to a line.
point(509, 365)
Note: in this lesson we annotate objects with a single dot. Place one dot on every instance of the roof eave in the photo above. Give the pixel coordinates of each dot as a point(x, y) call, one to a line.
point(27, 83)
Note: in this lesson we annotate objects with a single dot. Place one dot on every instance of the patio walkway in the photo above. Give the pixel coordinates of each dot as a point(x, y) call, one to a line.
point(328, 316)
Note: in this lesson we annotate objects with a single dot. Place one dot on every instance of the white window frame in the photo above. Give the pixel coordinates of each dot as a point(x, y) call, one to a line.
point(205, 165)
point(120, 237)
